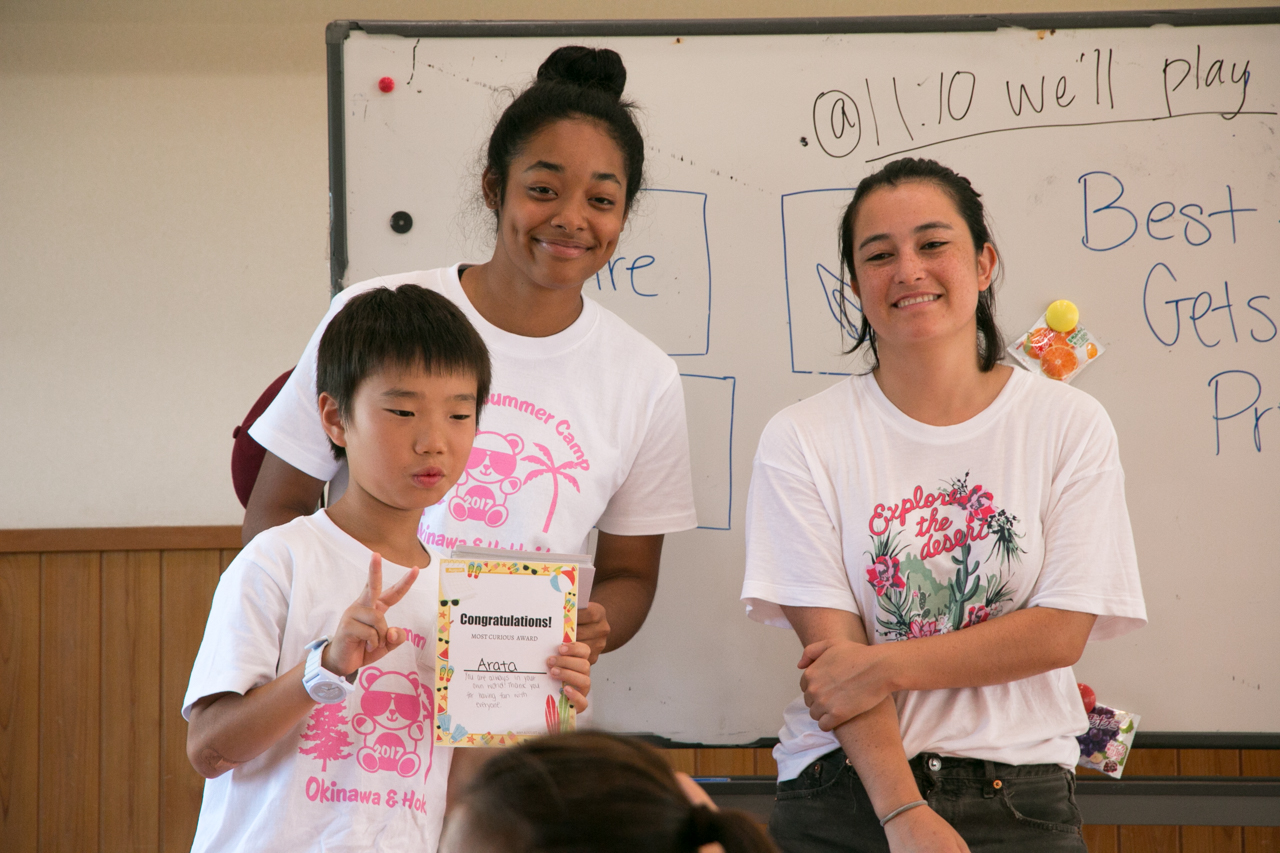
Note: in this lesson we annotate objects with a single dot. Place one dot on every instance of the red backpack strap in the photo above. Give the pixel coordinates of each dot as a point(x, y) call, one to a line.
point(247, 454)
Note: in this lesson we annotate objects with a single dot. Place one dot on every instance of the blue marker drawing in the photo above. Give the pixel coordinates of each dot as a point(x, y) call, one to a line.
point(820, 332)
point(839, 302)
point(1250, 407)
point(659, 278)
point(709, 405)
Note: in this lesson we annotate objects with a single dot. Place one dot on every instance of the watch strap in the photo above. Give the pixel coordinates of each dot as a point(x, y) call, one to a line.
point(322, 685)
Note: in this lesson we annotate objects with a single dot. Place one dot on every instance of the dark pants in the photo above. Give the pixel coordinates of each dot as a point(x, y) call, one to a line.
point(994, 807)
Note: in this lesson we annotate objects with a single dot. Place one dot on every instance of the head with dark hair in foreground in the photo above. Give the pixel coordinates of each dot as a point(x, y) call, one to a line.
point(590, 791)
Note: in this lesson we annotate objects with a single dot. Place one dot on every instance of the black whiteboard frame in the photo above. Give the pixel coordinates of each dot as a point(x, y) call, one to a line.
point(336, 34)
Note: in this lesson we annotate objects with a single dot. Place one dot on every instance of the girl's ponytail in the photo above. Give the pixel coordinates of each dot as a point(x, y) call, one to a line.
point(733, 830)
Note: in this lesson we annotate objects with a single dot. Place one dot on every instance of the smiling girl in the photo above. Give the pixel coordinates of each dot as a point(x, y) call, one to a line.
point(585, 425)
point(944, 535)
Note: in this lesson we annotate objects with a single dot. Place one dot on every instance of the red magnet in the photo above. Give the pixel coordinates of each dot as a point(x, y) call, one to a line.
point(386, 84)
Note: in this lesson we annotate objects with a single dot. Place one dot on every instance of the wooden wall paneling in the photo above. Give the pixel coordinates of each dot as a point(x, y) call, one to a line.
point(722, 761)
point(19, 701)
point(1261, 839)
point(130, 766)
point(70, 701)
point(683, 760)
point(765, 765)
point(1261, 762)
point(1152, 762)
point(1208, 762)
point(187, 582)
point(1149, 839)
point(1212, 839)
point(1102, 839)
point(98, 539)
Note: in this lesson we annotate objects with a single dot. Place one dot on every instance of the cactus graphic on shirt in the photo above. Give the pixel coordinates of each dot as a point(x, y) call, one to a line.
point(328, 730)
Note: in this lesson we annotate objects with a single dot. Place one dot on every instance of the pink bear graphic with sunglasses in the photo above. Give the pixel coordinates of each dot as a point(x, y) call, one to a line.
point(489, 479)
point(390, 719)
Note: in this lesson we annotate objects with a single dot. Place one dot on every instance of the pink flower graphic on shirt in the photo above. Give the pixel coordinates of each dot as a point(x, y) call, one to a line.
point(885, 574)
point(978, 504)
point(549, 466)
point(920, 628)
point(328, 730)
point(977, 615)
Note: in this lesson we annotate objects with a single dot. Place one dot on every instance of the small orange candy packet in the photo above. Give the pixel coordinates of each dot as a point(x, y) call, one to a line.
point(1057, 355)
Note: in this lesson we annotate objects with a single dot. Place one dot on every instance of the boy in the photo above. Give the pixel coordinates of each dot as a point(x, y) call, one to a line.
point(402, 376)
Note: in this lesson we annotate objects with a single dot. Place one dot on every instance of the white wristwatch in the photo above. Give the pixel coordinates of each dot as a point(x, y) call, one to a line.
point(322, 685)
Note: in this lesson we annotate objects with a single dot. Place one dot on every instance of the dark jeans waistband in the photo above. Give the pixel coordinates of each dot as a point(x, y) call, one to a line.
point(932, 764)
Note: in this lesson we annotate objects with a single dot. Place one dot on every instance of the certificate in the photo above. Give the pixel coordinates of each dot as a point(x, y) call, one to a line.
point(499, 621)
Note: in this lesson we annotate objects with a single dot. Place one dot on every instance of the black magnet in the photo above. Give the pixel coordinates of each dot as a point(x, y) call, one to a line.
point(401, 222)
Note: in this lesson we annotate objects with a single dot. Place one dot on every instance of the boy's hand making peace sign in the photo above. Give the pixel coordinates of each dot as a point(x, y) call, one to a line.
point(363, 635)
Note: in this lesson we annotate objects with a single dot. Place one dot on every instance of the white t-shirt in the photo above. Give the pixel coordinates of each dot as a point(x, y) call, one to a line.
point(354, 776)
point(857, 507)
point(582, 428)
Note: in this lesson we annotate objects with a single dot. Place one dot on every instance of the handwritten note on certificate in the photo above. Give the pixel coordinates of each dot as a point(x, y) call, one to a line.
point(499, 622)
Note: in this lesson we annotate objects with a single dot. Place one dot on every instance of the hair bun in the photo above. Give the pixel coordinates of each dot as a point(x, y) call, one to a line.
point(703, 826)
point(587, 67)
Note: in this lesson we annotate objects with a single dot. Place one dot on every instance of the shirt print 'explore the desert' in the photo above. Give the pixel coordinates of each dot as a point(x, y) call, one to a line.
point(941, 560)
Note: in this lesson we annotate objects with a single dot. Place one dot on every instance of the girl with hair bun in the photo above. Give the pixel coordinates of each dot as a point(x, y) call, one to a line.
point(584, 426)
point(592, 792)
point(944, 535)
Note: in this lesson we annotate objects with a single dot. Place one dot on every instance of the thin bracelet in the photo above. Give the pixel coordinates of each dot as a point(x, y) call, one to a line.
point(900, 809)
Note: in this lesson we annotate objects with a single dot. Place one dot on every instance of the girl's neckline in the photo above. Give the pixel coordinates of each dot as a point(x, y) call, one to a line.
point(908, 425)
point(498, 338)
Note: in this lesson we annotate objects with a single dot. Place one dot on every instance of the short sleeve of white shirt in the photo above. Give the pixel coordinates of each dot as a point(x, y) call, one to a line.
point(1087, 524)
point(642, 505)
point(241, 647)
point(792, 519)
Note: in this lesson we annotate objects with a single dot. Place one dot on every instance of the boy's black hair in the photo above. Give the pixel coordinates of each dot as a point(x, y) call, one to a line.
point(968, 202)
point(405, 327)
point(573, 82)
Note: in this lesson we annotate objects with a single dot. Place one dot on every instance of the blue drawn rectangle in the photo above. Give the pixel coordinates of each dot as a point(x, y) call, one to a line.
point(709, 403)
point(659, 278)
point(819, 330)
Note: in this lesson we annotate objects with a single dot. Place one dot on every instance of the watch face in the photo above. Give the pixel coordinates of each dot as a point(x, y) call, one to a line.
point(328, 692)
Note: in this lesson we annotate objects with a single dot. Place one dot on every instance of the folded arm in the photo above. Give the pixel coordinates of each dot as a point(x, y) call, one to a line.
point(844, 678)
point(873, 744)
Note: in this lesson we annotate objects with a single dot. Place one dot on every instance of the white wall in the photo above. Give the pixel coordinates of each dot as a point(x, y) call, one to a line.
point(164, 229)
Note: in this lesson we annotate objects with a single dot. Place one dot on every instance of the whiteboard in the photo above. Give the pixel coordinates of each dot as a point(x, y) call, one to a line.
point(1133, 170)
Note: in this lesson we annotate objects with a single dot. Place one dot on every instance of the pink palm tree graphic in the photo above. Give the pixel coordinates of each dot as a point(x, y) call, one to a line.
point(549, 466)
